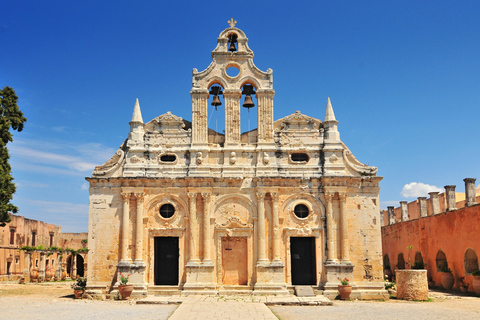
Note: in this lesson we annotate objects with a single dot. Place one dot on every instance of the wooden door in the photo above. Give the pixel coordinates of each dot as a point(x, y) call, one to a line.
point(234, 261)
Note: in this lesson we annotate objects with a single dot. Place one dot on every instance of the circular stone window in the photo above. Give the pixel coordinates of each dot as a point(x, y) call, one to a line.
point(301, 211)
point(232, 71)
point(167, 211)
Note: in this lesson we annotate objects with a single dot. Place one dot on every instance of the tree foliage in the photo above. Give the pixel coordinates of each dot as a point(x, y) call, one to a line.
point(10, 118)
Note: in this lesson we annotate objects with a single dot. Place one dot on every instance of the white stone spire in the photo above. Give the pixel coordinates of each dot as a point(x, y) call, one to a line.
point(329, 115)
point(330, 124)
point(137, 114)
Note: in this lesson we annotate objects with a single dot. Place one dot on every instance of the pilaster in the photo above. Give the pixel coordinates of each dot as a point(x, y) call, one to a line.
point(124, 258)
point(139, 229)
point(199, 116)
point(265, 115)
point(232, 116)
point(330, 229)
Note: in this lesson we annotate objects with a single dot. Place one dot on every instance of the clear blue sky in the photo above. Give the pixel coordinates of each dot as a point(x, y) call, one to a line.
point(403, 78)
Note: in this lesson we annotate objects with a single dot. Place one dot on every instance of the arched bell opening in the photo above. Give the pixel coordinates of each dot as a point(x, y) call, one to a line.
point(248, 113)
point(216, 117)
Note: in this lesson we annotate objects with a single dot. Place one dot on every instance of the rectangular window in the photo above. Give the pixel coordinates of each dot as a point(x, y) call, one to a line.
point(34, 235)
point(51, 239)
point(12, 237)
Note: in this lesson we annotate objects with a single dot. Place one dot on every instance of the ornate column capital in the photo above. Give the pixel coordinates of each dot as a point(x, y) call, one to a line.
point(139, 195)
point(206, 195)
point(343, 196)
point(126, 195)
point(260, 195)
point(192, 195)
point(328, 195)
point(274, 196)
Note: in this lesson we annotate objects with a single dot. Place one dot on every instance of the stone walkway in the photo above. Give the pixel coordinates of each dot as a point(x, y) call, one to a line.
point(230, 307)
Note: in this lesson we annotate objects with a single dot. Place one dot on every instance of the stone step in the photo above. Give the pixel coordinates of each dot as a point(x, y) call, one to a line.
point(304, 291)
point(164, 290)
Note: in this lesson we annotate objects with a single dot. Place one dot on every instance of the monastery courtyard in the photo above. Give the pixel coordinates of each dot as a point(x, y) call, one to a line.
point(55, 301)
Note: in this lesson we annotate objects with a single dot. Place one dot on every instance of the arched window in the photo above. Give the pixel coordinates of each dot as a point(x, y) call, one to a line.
point(418, 262)
point(441, 261)
point(401, 261)
point(470, 261)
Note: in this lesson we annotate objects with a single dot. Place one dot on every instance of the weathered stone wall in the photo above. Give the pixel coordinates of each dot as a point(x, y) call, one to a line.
point(452, 232)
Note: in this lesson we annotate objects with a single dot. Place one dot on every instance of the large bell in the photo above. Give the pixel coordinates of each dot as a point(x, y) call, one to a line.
point(248, 91)
point(248, 102)
point(216, 101)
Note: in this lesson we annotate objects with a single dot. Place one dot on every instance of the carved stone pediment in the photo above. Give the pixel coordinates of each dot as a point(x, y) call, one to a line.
point(168, 122)
point(233, 222)
point(299, 121)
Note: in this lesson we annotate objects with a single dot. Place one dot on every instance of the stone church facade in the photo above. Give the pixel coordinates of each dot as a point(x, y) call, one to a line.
point(184, 207)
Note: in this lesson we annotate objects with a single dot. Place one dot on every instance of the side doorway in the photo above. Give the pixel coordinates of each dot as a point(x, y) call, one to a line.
point(302, 254)
point(166, 261)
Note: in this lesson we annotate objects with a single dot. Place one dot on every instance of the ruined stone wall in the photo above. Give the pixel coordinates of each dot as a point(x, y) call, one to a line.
point(23, 237)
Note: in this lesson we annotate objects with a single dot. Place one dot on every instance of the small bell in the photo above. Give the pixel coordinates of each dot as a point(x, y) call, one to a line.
point(248, 102)
point(232, 40)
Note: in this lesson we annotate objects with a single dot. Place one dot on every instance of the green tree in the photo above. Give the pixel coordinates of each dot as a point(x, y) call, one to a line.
point(10, 117)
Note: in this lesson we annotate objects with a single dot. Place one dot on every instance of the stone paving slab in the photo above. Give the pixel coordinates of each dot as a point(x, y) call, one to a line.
point(197, 308)
point(231, 307)
point(267, 300)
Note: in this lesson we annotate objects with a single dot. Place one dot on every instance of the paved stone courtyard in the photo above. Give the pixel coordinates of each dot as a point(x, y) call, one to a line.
point(55, 301)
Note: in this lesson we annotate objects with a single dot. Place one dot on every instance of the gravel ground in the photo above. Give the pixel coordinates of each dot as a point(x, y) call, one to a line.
point(442, 306)
point(55, 301)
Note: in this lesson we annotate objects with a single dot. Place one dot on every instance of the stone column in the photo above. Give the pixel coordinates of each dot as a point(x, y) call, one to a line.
point(330, 235)
point(404, 210)
point(391, 215)
point(470, 196)
point(422, 206)
point(232, 115)
point(74, 266)
point(261, 228)
point(344, 228)
point(199, 116)
point(275, 228)
point(28, 266)
point(124, 259)
point(192, 200)
point(139, 229)
point(451, 200)
point(435, 200)
point(206, 228)
point(41, 271)
point(265, 114)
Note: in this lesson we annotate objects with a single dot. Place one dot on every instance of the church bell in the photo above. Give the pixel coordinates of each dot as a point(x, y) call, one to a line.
point(248, 91)
point(216, 100)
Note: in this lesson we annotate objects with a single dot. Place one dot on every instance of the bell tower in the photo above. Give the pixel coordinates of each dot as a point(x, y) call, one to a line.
point(232, 52)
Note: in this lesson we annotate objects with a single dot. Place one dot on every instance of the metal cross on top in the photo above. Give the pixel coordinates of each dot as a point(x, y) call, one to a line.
point(232, 22)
